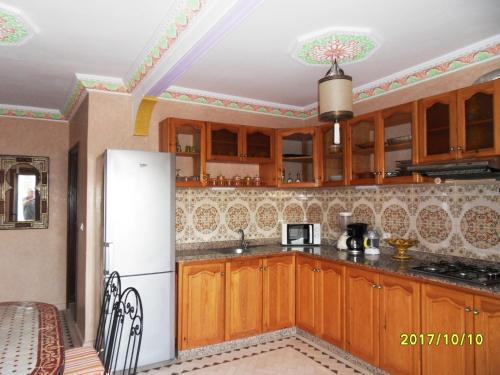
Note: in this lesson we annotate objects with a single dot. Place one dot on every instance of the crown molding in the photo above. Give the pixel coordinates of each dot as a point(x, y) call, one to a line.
point(35, 113)
point(187, 95)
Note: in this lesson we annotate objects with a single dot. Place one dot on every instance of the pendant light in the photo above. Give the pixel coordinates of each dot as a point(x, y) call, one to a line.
point(335, 98)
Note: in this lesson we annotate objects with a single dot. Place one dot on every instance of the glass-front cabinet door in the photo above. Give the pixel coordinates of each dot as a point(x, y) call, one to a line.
point(437, 116)
point(478, 121)
point(362, 156)
point(333, 156)
point(185, 138)
point(223, 142)
point(258, 144)
point(398, 129)
point(298, 162)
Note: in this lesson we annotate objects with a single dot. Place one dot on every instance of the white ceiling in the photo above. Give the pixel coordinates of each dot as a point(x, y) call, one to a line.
point(253, 60)
point(87, 36)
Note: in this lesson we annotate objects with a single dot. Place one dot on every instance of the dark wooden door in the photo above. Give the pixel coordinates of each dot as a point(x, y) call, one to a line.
point(72, 230)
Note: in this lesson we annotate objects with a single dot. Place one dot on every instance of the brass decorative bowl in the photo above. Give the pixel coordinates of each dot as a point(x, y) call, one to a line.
point(402, 245)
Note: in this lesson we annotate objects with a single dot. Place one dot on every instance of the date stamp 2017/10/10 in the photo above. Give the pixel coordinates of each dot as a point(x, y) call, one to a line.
point(436, 339)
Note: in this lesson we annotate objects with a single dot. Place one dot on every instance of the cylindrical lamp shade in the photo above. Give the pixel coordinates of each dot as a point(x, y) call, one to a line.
point(335, 97)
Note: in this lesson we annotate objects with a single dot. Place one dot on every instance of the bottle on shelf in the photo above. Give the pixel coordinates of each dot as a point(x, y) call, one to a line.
point(289, 179)
point(298, 179)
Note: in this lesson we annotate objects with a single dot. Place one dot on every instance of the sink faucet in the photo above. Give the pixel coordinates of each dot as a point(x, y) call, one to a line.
point(243, 243)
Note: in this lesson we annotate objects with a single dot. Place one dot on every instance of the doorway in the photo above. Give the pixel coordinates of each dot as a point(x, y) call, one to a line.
point(72, 234)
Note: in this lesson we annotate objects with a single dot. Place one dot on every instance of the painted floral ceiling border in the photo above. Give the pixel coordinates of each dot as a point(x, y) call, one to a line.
point(347, 46)
point(234, 103)
point(14, 29)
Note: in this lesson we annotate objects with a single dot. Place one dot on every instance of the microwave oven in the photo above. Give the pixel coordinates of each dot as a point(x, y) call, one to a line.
point(300, 234)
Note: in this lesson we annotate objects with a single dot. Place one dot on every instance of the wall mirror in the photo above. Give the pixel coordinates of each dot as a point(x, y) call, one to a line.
point(24, 192)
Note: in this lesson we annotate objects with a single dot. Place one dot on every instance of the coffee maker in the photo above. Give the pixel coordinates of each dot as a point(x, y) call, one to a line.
point(355, 232)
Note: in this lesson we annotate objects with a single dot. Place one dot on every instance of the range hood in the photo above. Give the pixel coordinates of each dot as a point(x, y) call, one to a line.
point(466, 169)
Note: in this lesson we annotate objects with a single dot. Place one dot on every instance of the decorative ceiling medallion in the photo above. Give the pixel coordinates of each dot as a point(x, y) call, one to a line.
point(344, 45)
point(14, 29)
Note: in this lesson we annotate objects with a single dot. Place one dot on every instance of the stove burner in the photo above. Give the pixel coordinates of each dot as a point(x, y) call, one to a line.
point(461, 271)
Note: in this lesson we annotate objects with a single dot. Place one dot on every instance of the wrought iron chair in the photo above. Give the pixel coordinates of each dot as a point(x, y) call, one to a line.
point(110, 299)
point(122, 357)
point(85, 360)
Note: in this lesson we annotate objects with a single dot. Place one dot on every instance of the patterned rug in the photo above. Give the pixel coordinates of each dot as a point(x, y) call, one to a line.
point(30, 339)
point(293, 355)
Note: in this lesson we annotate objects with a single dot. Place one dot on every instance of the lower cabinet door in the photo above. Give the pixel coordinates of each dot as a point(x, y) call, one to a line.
point(279, 292)
point(446, 312)
point(305, 301)
point(362, 314)
point(243, 298)
point(399, 315)
point(331, 303)
point(487, 329)
point(202, 304)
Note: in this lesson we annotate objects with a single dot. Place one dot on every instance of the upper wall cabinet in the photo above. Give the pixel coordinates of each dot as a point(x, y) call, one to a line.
point(236, 143)
point(333, 156)
point(398, 143)
point(460, 124)
point(479, 120)
point(298, 162)
point(438, 117)
point(224, 142)
point(185, 138)
point(362, 149)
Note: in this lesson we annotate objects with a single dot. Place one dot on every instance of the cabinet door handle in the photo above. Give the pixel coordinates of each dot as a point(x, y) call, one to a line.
point(379, 286)
point(374, 285)
point(467, 309)
point(452, 149)
point(475, 312)
point(222, 273)
point(459, 148)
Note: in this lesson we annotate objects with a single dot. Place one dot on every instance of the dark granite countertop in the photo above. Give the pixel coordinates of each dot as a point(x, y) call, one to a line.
point(382, 262)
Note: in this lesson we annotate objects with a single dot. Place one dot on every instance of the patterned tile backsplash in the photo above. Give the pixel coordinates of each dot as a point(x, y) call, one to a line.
point(455, 219)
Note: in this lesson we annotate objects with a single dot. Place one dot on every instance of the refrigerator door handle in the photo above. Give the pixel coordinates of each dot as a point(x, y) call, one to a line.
point(107, 257)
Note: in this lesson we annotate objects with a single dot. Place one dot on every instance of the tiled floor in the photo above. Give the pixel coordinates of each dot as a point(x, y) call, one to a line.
point(293, 355)
point(66, 333)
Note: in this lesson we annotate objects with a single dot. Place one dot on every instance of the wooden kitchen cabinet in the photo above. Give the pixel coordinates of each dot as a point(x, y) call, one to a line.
point(487, 323)
point(306, 296)
point(437, 127)
point(240, 144)
point(330, 301)
point(298, 157)
point(362, 314)
point(185, 138)
point(447, 311)
point(478, 126)
point(362, 160)
point(243, 298)
point(397, 139)
point(278, 292)
point(320, 299)
point(333, 156)
point(258, 145)
point(201, 304)
point(399, 313)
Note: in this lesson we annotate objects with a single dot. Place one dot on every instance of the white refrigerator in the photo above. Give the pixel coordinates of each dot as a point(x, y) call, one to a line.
point(139, 240)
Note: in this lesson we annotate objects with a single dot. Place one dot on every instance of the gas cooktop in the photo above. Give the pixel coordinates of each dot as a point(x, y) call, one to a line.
point(461, 271)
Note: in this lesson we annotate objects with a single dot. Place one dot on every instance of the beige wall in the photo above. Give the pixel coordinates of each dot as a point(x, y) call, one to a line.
point(33, 261)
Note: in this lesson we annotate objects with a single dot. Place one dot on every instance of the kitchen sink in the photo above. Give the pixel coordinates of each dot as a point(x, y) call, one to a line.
point(237, 250)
